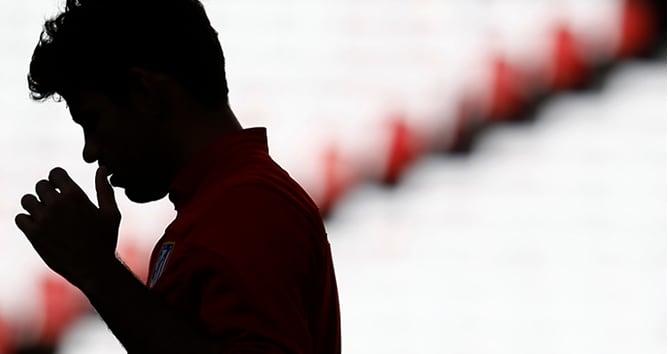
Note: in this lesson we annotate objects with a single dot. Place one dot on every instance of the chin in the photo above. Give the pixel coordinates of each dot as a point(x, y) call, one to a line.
point(141, 195)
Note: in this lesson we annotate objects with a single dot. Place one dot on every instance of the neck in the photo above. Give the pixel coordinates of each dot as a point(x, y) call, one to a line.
point(194, 129)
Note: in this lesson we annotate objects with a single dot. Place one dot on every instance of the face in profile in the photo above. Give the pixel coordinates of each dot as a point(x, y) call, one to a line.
point(132, 144)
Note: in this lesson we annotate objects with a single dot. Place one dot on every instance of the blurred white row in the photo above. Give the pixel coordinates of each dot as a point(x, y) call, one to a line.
point(314, 72)
point(550, 239)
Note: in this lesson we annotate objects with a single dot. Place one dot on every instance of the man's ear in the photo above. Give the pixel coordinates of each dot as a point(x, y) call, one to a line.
point(146, 91)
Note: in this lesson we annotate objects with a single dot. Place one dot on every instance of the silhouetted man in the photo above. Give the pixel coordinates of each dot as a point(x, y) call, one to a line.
point(246, 266)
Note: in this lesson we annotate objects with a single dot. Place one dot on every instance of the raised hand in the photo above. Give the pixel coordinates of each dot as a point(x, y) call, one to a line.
point(74, 237)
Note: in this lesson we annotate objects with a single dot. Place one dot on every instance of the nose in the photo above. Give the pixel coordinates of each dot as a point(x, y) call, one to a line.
point(90, 152)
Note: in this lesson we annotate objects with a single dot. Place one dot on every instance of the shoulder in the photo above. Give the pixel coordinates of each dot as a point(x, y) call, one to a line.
point(259, 190)
point(260, 208)
point(258, 231)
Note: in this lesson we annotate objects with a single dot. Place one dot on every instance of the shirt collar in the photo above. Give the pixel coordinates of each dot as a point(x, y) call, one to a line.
point(220, 156)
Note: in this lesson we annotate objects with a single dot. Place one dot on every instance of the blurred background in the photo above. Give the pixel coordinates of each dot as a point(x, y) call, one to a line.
point(492, 173)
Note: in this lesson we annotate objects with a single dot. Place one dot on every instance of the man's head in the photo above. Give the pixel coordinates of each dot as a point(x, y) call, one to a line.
point(123, 66)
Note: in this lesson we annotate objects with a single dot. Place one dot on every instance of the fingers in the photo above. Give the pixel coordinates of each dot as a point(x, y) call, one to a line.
point(46, 192)
point(25, 223)
point(61, 180)
point(105, 193)
point(30, 203)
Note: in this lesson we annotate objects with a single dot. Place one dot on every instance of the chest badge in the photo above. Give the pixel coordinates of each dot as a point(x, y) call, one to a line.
point(161, 262)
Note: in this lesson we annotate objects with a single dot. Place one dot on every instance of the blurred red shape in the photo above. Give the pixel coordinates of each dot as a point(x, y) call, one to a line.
point(63, 304)
point(509, 98)
point(465, 127)
point(6, 338)
point(638, 29)
point(336, 182)
point(569, 67)
point(403, 150)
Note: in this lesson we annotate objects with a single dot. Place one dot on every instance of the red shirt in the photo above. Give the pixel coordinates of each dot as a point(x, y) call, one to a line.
point(247, 257)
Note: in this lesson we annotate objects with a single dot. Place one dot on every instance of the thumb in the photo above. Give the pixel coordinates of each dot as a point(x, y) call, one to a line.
point(105, 193)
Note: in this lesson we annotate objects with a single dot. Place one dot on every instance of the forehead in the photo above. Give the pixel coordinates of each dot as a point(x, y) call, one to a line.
point(88, 106)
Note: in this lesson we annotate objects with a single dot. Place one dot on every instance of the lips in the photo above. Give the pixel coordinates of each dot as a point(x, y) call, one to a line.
point(111, 175)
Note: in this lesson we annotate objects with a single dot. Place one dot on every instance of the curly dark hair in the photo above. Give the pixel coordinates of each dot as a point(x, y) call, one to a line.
point(92, 44)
